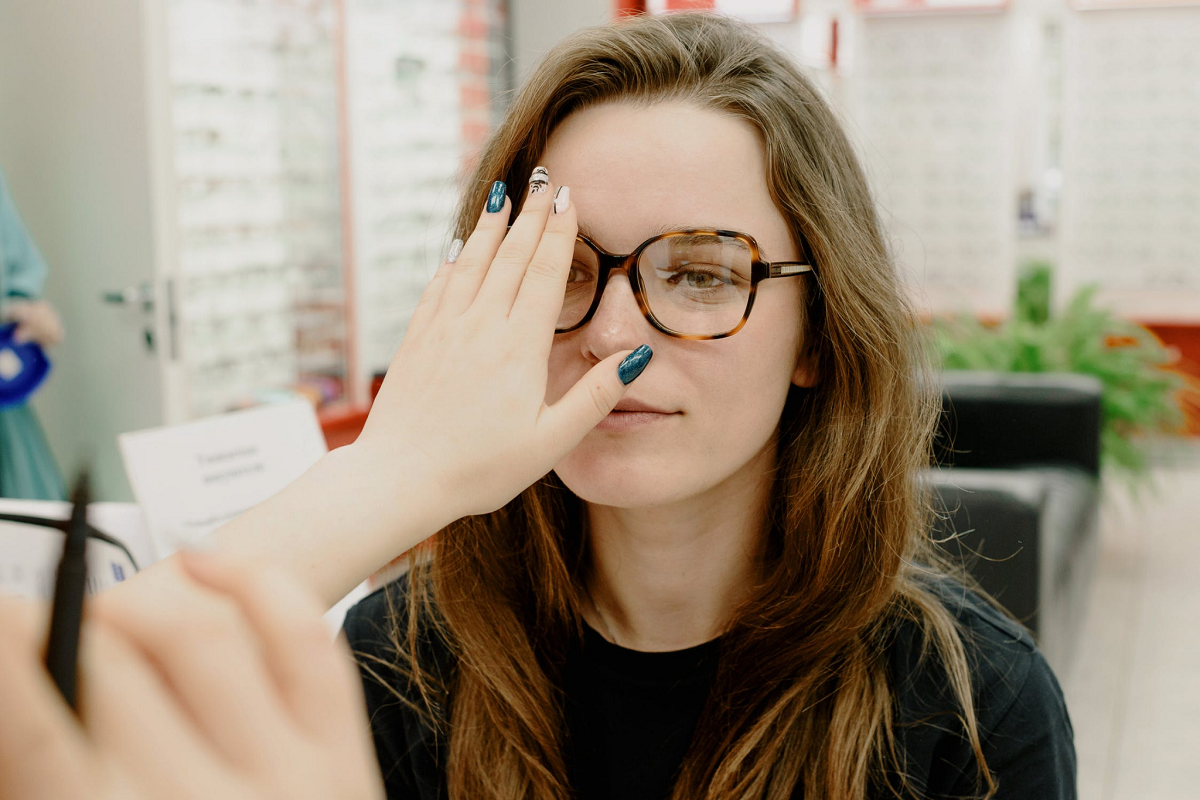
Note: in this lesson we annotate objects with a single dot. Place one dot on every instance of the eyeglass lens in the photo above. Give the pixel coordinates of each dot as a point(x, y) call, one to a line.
point(696, 284)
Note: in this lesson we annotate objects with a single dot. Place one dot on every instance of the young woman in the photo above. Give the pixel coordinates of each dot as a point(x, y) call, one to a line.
point(724, 588)
point(735, 595)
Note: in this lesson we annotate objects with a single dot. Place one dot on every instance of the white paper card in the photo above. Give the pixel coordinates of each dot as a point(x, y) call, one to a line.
point(192, 478)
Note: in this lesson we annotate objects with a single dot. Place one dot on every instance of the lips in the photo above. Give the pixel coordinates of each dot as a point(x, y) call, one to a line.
point(627, 404)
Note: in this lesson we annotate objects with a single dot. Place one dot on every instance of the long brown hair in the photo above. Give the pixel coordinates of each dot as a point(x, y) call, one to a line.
point(802, 694)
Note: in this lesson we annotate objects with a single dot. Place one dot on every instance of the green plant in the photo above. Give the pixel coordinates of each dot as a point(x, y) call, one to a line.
point(1139, 395)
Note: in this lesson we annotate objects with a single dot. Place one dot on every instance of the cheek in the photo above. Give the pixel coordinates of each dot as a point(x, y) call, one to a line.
point(561, 375)
point(740, 400)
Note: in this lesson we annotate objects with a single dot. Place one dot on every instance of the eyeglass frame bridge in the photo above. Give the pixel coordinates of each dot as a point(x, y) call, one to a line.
point(760, 270)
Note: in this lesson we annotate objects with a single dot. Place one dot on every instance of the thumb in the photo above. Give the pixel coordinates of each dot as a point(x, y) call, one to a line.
point(594, 395)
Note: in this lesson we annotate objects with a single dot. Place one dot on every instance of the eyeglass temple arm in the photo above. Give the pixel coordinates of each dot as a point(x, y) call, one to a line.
point(782, 268)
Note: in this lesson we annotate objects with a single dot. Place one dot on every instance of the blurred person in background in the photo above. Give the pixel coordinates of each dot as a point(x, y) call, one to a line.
point(27, 467)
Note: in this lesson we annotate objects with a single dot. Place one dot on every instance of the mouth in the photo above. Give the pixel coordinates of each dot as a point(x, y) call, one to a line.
point(620, 420)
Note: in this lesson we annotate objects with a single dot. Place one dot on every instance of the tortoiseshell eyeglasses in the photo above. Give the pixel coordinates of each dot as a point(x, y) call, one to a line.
point(690, 284)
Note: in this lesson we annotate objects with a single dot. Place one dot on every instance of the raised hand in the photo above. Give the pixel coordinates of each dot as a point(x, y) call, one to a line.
point(227, 685)
point(465, 394)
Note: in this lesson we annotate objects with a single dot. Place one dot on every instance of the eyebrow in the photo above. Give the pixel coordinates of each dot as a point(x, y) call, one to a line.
point(586, 231)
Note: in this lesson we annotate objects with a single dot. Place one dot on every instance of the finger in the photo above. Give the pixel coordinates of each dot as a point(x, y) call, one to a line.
point(57, 332)
point(210, 657)
point(538, 293)
point(478, 252)
point(432, 296)
point(515, 254)
point(43, 751)
point(315, 675)
point(133, 718)
point(22, 334)
point(16, 310)
point(590, 400)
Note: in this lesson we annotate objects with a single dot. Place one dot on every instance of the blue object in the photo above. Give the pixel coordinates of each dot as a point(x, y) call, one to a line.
point(27, 467)
point(23, 368)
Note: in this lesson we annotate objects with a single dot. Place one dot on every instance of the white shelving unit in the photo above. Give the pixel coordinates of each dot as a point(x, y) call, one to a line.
point(254, 116)
point(1131, 152)
point(931, 102)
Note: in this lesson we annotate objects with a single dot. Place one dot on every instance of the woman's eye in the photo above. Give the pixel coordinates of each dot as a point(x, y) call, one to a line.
point(701, 280)
point(694, 278)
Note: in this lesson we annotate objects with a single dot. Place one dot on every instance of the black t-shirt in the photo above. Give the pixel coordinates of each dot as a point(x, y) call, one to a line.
point(630, 714)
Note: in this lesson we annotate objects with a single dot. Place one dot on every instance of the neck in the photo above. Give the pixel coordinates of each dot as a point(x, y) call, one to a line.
point(668, 577)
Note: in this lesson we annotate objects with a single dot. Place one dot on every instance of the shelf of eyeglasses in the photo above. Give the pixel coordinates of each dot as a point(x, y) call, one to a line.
point(265, 158)
point(208, 362)
point(246, 367)
point(219, 378)
point(238, 203)
point(1137, 275)
point(288, 229)
point(265, 209)
point(219, 251)
point(277, 174)
point(312, 283)
point(295, 309)
point(251, 128)
point(221, 324)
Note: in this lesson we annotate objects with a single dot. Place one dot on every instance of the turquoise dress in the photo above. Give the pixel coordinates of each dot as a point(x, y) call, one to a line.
point(27, 467)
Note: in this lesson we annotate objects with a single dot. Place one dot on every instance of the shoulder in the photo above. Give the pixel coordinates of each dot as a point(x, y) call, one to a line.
point(375, 624)
point(368, 621)
point(409, 748)
point(1024, 728)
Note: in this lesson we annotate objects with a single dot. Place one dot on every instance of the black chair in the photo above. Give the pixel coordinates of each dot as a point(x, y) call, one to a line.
point(1018, 474)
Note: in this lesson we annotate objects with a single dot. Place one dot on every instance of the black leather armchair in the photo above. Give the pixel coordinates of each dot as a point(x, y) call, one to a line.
point(1018, 473)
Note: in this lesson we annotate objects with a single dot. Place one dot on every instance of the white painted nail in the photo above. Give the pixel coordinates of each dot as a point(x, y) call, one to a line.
point(562, 199)
point(455, 251)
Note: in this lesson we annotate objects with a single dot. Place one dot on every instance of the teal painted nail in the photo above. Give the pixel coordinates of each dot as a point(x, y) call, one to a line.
point(633, 364)
point(496, 197)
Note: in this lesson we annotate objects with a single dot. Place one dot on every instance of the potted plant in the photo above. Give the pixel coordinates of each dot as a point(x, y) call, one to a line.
point(1140, 396)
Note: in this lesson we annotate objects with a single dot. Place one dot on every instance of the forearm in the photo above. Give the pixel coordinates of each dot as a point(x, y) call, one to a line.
point(333, 526)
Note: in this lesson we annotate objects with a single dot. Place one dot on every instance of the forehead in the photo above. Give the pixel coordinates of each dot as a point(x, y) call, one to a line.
point(636, 171)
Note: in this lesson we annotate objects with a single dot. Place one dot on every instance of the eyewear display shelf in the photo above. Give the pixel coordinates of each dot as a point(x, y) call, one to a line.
point(318, 148)
point(236, 198)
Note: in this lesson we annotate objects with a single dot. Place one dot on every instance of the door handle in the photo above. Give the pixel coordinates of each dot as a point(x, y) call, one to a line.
point(141, 296)
point(131, 296)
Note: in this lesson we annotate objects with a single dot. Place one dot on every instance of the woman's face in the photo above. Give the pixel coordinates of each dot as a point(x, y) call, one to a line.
point(632, 172)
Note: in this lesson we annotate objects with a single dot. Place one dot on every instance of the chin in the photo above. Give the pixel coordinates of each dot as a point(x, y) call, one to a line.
point(618, 479)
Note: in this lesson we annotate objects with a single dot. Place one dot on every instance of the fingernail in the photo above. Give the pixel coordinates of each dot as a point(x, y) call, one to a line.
point(634, 363)
point(562, 199)
point(455, 250)
point(496, 197)
point(539, 180)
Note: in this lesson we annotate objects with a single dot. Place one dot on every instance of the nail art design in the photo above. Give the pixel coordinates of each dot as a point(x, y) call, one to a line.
point(539, 181)
point(496, 197)
point(562, 199)
point(455, 251)
point(632, 365)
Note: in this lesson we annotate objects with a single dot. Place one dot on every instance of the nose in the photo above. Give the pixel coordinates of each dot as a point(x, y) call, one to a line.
point(618, 323)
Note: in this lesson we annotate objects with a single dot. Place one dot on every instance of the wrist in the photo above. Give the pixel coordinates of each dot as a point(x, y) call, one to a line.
point(348, 515)
point(401, 491)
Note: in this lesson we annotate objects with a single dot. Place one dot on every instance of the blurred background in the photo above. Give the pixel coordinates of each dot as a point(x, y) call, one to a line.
point(226, 203)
